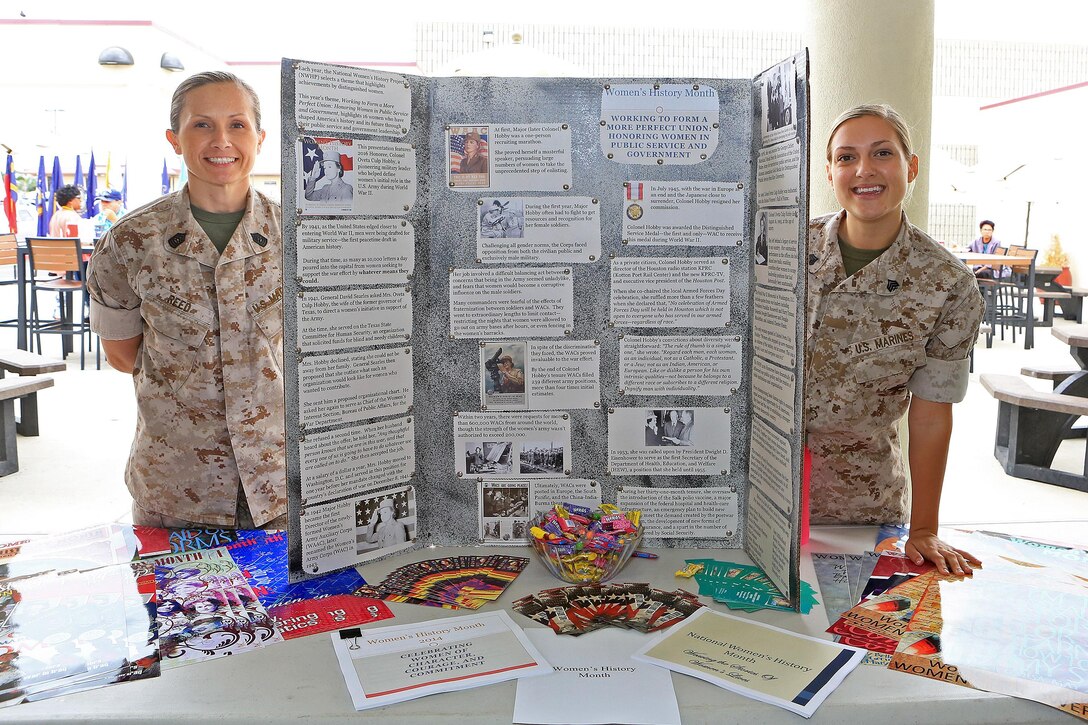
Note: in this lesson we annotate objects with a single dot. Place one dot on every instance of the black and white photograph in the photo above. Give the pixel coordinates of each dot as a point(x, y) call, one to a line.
point(385, 520)
point(502, 218)
point(488, 457)
point(670, 427)
point(505, 501)
point(542, 457)
point(779, 103)
point(760, 255)
point(504, 511)
point(779, 99)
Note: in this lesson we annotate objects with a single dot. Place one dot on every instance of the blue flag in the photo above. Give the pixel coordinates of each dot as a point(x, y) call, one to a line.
point(165, 178)
point(55, 182)
point(124, 186)
point(78, 181)
point(11, 196)
point(41, 201)
point(92, 190)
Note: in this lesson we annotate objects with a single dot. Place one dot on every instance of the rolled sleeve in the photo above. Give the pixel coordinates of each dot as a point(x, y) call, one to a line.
point(115, 306)
point(940, 381)
point(115, 324)
point(944, 376)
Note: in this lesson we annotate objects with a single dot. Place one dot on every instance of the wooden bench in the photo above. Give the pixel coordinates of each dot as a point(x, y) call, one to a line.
point(1031, 424)
point(10, 389)
point(28, 364)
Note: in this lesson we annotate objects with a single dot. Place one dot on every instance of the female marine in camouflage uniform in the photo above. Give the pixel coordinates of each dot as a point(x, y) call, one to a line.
point(187, 296)
point(892, 317)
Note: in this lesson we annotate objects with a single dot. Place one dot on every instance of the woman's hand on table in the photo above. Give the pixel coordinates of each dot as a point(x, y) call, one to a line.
point(924, 545)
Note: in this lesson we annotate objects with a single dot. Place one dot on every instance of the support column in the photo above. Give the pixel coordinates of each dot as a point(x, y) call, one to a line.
point(870, 51)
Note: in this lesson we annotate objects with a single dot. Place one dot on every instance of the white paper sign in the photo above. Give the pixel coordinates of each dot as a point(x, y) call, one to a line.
point(511, 444)
point(768, 537)
point(333, 320)
point(659, 123)
point(670, 292)
point(692, 213)
point(507, 302)
point(538, 229)
point(347, 532)
point(778, 174)
point(682, 513)
point(595, 682)
point(675, 365)
point(773, 393)
point(348, 461)
point(355, 386)
point(384, 665)
point(775, 249)
point(339, 99)
point(774, 323)
point(355, 251)
point(668, 441)
point(770, 464)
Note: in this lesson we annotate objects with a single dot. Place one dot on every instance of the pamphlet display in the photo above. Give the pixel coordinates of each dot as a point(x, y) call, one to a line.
point(496, 287)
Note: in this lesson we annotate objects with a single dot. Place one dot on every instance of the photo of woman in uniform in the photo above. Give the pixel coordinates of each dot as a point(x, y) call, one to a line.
point(473, 161)
point(468, 158)
point(384, 529)
point(386, 520)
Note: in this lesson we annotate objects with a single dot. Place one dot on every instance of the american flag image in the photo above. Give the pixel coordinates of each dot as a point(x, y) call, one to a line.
point(634, 191)
point(333, 149)
point(457, 148)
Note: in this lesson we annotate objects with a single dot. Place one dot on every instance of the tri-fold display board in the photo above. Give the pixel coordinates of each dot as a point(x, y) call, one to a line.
point(505, 293)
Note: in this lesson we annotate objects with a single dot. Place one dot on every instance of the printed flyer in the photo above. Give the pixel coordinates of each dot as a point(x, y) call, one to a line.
point(756, 660)
point(392, 664)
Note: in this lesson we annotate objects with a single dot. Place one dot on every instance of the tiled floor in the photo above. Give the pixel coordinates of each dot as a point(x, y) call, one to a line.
point(72, 475)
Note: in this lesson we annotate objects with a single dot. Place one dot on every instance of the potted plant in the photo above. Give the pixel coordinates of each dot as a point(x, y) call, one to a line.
point(1055, 257)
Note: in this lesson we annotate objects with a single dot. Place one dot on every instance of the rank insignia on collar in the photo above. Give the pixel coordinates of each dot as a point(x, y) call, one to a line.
point(892, 285)
point(259, 239)
point(177, 240)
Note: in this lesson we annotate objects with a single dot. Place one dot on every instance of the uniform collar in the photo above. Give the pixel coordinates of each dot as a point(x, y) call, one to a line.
point(185, 237)
point(881, 276)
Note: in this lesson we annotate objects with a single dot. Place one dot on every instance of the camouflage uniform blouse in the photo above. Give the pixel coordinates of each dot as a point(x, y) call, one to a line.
point(902, 325)
point(208, 375)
